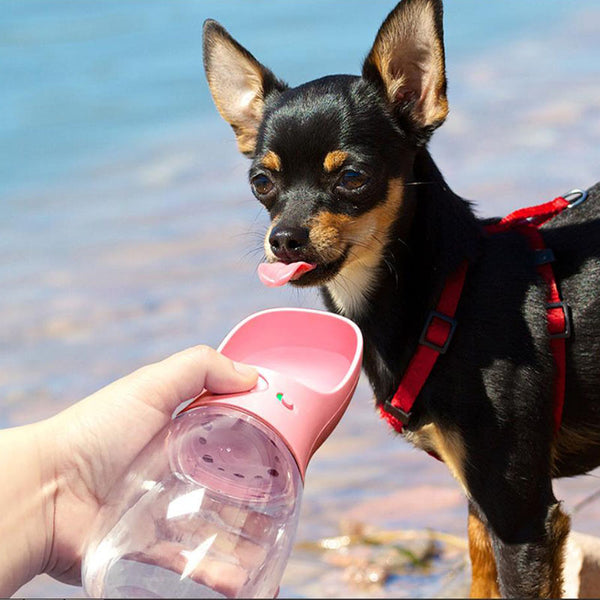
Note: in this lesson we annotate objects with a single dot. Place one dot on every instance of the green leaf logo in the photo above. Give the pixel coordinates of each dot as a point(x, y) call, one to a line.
point(288, 405)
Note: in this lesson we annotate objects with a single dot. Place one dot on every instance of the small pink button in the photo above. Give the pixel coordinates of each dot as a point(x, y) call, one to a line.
point(261, 384)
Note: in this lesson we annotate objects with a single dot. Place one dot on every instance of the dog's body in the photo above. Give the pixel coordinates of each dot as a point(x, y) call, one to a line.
point(342, 166)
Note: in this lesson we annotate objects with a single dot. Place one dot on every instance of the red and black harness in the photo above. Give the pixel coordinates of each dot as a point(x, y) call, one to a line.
point(441, 324)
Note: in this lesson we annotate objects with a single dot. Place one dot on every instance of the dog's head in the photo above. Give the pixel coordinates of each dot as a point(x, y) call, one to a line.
point(331, 157)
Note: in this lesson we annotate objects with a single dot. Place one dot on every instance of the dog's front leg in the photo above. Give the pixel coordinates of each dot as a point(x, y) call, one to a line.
point(530, 556)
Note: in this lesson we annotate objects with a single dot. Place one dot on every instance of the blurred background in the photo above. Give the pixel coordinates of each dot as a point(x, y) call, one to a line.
point(128, 231)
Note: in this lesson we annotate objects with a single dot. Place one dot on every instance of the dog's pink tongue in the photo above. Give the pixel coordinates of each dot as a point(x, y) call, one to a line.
point(278, 273)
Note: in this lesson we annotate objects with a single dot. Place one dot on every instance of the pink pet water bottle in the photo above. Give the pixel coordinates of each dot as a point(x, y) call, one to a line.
point(210, 507)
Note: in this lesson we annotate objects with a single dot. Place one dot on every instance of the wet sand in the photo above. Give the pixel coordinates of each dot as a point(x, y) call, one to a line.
point(156, 250)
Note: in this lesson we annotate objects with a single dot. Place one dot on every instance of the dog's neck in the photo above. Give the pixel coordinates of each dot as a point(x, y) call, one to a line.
point(389, 300)
point(351, 290)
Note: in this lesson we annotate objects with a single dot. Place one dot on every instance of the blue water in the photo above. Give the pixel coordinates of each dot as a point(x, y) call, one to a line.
point(82, 79)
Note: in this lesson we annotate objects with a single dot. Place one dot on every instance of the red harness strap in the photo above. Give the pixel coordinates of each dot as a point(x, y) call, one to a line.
point(528, 221)
point(434, 341)
point(441, 324)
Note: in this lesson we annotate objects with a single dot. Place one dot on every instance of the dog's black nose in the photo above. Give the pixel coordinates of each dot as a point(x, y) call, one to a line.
point(288, 243)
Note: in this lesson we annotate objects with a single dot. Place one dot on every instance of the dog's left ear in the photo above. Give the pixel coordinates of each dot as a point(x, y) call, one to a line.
point(407, 63)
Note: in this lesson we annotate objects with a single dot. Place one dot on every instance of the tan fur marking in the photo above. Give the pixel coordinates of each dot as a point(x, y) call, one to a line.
point(557, 527)
point(327, 235)
point(334, 160)
point(447, 444)
point(267, 246)
point(484, 576)
point(271, 161)
point(366, 237)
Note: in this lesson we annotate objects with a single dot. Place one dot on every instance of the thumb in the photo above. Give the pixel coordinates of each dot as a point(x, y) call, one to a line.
point(186, 374)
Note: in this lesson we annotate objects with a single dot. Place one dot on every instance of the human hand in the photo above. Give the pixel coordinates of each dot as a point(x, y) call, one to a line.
point(70, 462)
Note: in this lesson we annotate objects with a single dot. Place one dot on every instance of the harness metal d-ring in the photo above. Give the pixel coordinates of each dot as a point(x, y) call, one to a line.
point(575, 197)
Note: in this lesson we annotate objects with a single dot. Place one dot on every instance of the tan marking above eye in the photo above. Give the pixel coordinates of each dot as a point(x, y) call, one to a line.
point(334, 160)
point(271, 161)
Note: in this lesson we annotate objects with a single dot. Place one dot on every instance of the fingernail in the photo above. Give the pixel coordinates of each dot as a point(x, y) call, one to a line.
point(243, 369)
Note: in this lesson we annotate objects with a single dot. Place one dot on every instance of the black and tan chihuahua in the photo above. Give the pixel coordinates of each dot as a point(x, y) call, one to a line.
point(359, 208)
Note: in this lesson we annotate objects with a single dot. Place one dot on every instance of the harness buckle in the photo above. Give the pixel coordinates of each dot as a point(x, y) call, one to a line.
point(425, 342)
point(396, 412)
point(566, 332)
point(575, 197)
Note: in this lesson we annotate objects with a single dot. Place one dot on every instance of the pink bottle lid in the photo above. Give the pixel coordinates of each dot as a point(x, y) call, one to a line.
point(309, 364)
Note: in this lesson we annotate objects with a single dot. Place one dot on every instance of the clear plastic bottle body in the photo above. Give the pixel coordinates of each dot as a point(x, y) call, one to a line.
point(208, 509)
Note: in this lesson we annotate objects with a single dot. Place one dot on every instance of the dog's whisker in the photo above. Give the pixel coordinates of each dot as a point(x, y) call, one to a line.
point(254, 252)
point(248, 234)
point(408, 183)
point(403, 242)
point(390, 265)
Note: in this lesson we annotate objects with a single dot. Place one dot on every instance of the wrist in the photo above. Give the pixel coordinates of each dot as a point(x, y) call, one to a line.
point(26, 501)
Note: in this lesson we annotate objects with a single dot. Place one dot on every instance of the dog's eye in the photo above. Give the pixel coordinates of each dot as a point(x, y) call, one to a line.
point(352, 180)
point(261, 184)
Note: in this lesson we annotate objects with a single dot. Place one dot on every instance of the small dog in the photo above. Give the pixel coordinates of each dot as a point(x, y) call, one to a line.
point(359, 208)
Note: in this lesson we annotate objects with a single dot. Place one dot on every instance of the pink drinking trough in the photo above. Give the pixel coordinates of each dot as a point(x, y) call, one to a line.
point(309, 363)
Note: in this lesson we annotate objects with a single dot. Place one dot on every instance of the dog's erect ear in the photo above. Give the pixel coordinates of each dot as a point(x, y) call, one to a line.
point(407, 63)
point(239, 84)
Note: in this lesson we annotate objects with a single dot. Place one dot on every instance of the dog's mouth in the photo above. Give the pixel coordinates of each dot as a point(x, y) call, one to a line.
point(301, 273)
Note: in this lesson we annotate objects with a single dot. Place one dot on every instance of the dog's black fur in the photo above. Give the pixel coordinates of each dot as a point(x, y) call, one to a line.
point(385, 231)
